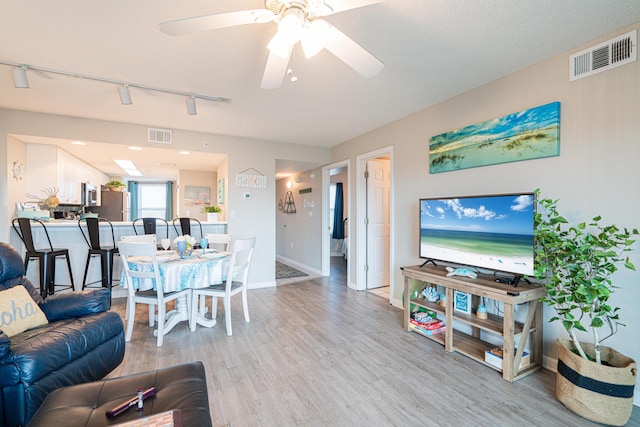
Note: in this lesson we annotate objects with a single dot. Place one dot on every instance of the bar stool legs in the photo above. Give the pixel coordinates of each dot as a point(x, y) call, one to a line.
point(106, 266)
point(92, 237)
point(46, 256)
point(47, 271)
point(44, 271)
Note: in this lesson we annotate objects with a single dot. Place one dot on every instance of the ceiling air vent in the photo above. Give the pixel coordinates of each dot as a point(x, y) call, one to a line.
point(605, 56)
point(160, 136)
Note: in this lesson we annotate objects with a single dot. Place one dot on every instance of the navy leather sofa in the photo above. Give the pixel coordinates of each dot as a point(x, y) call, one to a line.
point(82, 342)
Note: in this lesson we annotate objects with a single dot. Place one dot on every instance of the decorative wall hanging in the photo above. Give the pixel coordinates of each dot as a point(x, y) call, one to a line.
point(525, 135)
point(196, 195)
point(221, 191)
point(251, 178)
point(289, 204)
point(18, 171)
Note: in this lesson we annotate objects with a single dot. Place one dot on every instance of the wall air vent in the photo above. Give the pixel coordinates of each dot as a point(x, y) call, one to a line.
point(160, 136)
point(605, 56)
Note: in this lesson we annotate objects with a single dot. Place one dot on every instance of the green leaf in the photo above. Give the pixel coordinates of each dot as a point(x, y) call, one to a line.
point(577, 264)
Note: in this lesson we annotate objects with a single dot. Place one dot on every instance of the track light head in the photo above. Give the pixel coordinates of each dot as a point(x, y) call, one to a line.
point(125, 95)
point(19, 75)
point(191, 106)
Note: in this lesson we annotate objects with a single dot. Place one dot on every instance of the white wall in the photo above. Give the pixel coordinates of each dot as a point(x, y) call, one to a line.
point(298, 234)
point(254, 217)
point(596, 173)
point(223, 169)
point(199, 179)
point(16, 189)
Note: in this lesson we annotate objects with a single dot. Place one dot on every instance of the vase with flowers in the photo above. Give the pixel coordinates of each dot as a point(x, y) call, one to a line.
point(189, 244)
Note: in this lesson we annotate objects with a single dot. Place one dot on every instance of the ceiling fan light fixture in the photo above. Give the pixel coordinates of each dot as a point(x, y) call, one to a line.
point(262, 16)
point(19, 75)
point(318, 8)
point(291, 25)
point(314, 37)
point(280, 46)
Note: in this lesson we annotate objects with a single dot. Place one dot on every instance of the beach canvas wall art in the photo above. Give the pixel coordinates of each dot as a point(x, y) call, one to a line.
point(197, 195)
point(525, 135)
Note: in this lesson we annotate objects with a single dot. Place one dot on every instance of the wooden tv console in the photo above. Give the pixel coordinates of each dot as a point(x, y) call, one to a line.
point(471, 345)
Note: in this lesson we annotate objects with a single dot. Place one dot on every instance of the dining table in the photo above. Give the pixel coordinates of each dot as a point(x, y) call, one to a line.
point(197, 270)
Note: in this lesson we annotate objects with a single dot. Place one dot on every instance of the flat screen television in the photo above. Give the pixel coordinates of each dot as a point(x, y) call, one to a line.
point(493, 232)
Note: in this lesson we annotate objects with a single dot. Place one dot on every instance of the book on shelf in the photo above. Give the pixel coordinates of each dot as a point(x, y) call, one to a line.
point(428, 328)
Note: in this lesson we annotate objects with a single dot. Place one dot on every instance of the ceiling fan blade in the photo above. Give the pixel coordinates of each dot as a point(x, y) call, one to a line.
point(275, 70)
point(195, 24)
point(352, 54)
point(338, 6)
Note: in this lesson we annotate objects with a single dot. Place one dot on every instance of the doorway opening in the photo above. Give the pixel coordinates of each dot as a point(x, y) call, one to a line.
point(374, 222)
point(335, 222)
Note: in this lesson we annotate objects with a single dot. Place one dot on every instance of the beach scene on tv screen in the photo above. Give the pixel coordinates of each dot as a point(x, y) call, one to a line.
point(492, 232)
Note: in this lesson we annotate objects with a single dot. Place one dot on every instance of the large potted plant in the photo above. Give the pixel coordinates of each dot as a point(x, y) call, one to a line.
point(576, 263)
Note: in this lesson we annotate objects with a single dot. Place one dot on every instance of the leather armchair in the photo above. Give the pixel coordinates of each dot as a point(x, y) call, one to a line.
point(82, 342)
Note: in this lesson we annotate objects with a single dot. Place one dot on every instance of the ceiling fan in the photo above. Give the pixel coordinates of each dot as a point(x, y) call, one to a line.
point(298, 20)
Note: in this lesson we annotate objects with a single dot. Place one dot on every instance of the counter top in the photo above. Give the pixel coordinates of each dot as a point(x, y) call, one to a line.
point(74, 222)
point(64, 233)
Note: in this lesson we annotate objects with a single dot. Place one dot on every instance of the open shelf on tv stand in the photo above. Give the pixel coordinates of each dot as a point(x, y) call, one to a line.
point(471, 345)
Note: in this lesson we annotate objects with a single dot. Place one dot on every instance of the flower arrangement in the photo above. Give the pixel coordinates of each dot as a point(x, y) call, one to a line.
point(191, 242)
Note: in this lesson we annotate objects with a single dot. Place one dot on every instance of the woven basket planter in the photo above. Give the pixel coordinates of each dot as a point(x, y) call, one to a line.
point(115, 188)
point(600, 393)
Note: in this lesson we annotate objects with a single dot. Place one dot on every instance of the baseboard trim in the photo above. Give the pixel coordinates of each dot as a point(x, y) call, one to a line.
point(299, 266)
point(260, 285)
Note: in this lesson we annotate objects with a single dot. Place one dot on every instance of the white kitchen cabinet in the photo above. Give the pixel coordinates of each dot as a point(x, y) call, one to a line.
point(41, 169)
point(50, 166)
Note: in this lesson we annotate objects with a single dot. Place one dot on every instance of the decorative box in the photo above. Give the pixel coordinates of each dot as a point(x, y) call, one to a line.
point(494, 358)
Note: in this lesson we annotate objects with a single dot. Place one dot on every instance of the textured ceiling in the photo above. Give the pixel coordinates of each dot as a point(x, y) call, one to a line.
point(432, 51)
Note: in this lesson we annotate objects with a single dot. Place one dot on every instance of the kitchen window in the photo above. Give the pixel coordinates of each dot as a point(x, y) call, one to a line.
point(152, 200)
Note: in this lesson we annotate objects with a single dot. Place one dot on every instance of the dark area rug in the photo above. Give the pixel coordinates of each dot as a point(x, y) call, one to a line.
point(283, 271)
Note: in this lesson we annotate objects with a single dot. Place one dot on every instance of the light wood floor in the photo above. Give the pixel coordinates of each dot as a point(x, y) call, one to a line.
point(319, 354)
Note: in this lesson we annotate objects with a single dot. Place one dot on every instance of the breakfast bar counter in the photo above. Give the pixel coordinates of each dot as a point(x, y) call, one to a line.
point(66, 234)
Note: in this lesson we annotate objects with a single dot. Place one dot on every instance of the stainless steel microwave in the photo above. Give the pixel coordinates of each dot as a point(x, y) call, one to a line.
point(89, 194)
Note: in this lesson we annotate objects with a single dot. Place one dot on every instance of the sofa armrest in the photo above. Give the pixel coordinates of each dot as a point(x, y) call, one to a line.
point(76, 304)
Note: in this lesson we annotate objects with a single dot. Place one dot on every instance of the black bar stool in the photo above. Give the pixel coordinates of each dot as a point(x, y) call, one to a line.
point(149, 225)
point(95, 249)
point(46, 256)
point(185, 226)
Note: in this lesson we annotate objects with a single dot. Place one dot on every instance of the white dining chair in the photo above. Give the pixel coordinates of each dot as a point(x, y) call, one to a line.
point(152, 297)
point(139, 238)
point(220, 242)
point(235, 283)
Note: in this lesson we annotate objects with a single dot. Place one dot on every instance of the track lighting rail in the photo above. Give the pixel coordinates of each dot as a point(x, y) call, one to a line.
point(120, 83)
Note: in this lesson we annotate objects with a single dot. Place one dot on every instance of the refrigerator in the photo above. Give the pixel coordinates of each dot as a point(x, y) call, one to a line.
point(114, 206)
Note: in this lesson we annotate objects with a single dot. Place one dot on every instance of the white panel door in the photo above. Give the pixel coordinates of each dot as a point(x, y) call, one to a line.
point(378, 228)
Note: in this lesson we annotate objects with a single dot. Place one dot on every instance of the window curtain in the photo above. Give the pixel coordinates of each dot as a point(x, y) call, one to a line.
point(338, 214)
point(168, 213)
point(133, 191)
